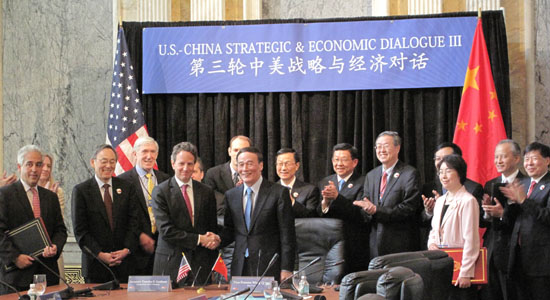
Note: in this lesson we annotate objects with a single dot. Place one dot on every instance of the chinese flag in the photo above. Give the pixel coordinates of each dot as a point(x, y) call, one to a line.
point(220, 267)
point(479, 124)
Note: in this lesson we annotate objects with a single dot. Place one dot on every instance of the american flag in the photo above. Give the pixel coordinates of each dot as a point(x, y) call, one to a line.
point(126, 122)
point(184, 268)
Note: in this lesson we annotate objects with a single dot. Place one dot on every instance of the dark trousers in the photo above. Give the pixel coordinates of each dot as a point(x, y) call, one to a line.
point(248, 269)
point(499, 287)
point(529, 287)
point(456, 293)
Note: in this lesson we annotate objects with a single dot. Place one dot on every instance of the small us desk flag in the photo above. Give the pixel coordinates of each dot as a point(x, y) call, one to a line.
point(183, 269)
point(126, 122)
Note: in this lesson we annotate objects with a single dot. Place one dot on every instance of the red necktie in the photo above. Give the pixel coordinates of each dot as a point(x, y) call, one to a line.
point(383, 184)
point(35, 203)
point(108, 201)
point(187, 201)
point(531, 188)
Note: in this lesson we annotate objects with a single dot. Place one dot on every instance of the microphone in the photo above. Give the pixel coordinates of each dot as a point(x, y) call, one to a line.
point(329, 266)
point(235, 294)
point(311, 263)
point(258, 264)
point(271, 263)
point(69, 292)
point(110, 285)
point(20, 297)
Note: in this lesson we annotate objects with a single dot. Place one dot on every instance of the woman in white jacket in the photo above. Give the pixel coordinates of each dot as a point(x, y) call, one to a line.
point(455, 223)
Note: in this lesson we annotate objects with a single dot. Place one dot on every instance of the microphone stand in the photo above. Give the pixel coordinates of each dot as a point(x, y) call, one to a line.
point(271, 263)
point(19, 296)
point(311, 263)
point(69, 292)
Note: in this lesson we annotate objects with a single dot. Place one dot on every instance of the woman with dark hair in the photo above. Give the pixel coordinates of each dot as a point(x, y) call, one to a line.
point(455, 223)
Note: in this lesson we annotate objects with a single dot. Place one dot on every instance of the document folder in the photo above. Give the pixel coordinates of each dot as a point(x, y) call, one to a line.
point(30, 238)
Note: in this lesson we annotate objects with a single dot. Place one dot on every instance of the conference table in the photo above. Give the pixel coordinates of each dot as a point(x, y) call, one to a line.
point(180, 293)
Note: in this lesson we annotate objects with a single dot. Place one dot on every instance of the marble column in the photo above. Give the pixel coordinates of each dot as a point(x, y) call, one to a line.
point(315, 9)
point(57, 64)
point(542, 71)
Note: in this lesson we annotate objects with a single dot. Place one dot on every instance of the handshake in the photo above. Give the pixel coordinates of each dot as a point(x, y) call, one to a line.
point(209, 240)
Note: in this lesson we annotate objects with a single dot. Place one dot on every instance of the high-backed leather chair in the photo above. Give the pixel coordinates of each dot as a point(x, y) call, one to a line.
point(434, 266)
point(320, 237)
point(397, 283)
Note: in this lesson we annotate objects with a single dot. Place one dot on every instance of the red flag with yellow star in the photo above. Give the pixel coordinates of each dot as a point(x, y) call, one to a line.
point(479, 125)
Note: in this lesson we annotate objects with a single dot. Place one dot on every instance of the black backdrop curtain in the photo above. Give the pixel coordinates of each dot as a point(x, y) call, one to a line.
point(312, 122)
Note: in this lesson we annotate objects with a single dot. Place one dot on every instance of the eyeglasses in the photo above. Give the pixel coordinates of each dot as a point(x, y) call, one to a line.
point(287, 164)
point(446, 172)
point(382, 146)
point(341, 160)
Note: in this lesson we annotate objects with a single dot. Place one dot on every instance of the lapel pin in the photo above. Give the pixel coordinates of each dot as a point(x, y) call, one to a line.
point(295, 194)
point(542, 187)
point(350, 185)
point(119, 191)
point(396, 175)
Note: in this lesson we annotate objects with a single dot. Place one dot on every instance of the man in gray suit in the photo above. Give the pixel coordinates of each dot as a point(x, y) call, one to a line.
point(144, 178)
point(391, 200)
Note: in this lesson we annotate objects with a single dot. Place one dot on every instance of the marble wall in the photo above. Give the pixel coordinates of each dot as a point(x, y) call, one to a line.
point(57, 64)
point(313, 9)
point(542, 71)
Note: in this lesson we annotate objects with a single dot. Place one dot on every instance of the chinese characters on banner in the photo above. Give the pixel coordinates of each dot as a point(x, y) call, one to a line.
point(409, 53)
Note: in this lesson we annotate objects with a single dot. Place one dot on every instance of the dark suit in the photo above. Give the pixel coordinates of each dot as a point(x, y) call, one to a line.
point(143, 262)
point(92, 229)
point(306, 197)
point(497, 240)
point(472, 187)
point(394, 226)
point(15, 210)
point(176, 232)
point(356, 232)
point(220, 179)
point(271, 230)
point(529, 263)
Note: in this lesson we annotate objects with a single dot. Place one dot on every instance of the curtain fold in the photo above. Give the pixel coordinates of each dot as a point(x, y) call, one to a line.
point(312, 122)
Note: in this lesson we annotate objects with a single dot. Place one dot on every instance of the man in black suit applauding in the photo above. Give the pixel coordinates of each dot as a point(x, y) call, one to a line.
point(144, 178)
point(21, 202)
point(338, 191)
point(105, 219)
point(391, 200)
point(304, 196)
point(497, 236)
point(258, 217)
point(224, 177)
point(529, 264)
point(185, 211)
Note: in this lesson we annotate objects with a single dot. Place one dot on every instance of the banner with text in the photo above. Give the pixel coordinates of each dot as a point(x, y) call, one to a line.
point(354, 55)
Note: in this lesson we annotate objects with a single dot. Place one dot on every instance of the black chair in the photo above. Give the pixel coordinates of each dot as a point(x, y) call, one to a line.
point(320, 237)
point(434, 266)
point(397, 283)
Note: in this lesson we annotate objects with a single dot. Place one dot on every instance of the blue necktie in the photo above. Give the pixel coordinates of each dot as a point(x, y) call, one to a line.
point(247, 212)
point(341, 184)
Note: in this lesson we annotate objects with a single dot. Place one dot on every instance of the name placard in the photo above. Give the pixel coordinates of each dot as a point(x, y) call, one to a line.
point(242, 282)
point(149, 284)
point(50, 296)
